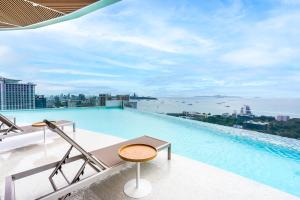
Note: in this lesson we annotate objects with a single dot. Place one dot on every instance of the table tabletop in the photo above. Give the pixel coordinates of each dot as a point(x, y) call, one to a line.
point(137, 152)
point(40, 124)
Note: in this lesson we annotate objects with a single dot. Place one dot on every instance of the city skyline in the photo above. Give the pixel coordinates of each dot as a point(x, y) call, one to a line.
point(185, 48)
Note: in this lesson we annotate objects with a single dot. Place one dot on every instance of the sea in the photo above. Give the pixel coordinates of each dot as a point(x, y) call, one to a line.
point(220, 105)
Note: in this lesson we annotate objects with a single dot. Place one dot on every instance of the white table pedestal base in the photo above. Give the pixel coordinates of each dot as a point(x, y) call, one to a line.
point(137, 188)
point(143, 189)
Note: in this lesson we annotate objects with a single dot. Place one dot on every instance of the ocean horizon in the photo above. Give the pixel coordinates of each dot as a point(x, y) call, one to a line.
point(219, 105)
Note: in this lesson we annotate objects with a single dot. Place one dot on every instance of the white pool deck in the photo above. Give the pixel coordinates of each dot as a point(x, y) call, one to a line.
point(180, 178)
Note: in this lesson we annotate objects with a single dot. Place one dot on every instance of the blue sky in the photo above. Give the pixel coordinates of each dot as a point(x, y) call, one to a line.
point(164, 48)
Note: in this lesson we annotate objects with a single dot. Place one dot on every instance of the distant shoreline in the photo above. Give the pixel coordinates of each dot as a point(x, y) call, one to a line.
point(259, 106)
point(218, 96)
point(143, 98)
point(263, 124)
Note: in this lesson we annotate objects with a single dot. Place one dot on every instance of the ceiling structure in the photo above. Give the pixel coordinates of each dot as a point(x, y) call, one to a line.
point(28, 14)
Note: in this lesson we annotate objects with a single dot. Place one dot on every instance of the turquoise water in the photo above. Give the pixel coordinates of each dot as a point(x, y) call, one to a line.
point(267, 163)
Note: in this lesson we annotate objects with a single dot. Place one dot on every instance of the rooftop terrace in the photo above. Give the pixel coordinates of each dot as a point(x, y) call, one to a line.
point(180, 178)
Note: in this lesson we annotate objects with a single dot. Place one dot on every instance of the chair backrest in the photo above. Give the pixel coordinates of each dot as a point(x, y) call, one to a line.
point(9, 123)
point(87, 155)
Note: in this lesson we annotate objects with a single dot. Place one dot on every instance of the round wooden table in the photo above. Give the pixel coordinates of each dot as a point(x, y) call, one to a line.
point(42, 125)
point(137, 188)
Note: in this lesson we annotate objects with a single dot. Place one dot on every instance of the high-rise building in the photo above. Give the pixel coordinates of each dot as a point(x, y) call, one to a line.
point(40, 101)
point(81, 97)
point(15, 95)
point(73, 103)
point(246, 110)
point(107, 100)
point(282, 118)
point(103, 98)
point(122, 97)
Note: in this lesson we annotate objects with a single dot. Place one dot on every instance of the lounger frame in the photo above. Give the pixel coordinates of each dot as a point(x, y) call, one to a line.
point(14, 130)
point(61, 193)
point(11, 127)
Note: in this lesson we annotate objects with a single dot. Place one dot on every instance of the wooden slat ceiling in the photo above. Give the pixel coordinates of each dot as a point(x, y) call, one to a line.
point(65, 6)
point(21, 13)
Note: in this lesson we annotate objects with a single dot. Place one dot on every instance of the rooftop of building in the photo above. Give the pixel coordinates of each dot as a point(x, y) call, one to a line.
point(13, 81)
point(9, 80)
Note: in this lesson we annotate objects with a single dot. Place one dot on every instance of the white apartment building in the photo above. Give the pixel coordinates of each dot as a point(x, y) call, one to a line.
point(282, 118)
point(15, 95)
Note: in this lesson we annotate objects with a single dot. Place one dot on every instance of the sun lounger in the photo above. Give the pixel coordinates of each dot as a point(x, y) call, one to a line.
point(101, 160)
point(7, 125)
point(12, 129)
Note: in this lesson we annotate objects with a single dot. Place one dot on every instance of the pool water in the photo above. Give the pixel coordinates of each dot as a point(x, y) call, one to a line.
point(274, 165)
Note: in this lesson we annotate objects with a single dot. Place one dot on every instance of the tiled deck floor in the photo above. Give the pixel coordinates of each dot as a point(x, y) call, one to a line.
point(180, 178)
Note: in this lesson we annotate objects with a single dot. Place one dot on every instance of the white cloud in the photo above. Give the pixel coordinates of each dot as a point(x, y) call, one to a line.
point(166, 62)
point(102, 82)
point(77, 72)
point(144, 66)
point(197, 49)
point(257, 83)
point(7, 55)
point(46, 87)
point(269, 42)
point(150, 32)
point(258, 57)
point(3, 74)
point(88, 86)
point(4, 51)
point(170, 41)
point(290, 2)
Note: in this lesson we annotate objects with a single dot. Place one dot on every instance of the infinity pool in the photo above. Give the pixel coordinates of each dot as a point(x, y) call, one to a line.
point(275, 163)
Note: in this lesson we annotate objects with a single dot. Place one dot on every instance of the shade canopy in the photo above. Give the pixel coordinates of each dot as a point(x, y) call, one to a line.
point(28, 14)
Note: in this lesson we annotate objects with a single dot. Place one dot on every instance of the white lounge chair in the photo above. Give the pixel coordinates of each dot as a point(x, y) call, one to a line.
point(11, 129)
point(101, 160)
